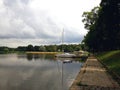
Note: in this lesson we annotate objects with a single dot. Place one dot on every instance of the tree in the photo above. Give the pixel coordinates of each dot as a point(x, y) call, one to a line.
point(90, 19)
point(36, 48)
point(104, 33)
point(30, 48)
point(51, 48)
point(110, 26)
point(6, 50)
point(21, 48)
point(77, 48)
point(42, 49)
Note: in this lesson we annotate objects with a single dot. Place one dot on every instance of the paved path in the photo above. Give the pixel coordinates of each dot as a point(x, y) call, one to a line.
point(93, 76)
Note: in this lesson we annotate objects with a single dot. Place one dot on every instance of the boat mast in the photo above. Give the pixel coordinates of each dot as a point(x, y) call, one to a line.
point(62, 39)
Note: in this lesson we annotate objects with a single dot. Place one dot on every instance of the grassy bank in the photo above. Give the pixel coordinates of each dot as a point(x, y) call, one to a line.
point(111, 59)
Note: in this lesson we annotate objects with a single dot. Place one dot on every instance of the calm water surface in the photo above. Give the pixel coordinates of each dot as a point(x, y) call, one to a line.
point(36, 72)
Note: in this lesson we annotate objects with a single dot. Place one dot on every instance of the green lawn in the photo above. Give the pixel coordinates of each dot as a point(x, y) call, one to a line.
point(111, 59)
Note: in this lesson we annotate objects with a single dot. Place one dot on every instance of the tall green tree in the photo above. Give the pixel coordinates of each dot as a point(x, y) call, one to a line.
point(90, 19)
point(108, 24)
point(104, 31)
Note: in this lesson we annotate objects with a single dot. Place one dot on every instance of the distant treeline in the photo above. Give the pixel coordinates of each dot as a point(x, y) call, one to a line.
point(4, 49)
point(43, 48)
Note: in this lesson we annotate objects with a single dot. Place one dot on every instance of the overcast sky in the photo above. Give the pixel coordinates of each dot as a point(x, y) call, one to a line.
point(41, 22)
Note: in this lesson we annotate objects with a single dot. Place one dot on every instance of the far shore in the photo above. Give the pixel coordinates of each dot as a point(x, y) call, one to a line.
point(31, 52)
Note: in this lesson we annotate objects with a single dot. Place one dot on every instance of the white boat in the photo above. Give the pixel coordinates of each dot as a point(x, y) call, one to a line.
point(65, 55)
point(67, 61)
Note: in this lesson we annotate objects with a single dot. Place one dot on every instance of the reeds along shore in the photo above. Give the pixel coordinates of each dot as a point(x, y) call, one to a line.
point(42, 52)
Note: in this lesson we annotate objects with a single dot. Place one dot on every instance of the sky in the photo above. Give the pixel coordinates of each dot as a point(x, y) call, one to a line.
point(41, 22)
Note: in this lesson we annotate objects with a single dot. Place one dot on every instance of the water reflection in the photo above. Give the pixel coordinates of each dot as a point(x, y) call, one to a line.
point(36, 56)
point(36, 72)
point(51, 57)
point(29, 57)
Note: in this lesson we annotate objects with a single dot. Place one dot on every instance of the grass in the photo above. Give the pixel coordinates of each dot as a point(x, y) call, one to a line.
point(111, 59)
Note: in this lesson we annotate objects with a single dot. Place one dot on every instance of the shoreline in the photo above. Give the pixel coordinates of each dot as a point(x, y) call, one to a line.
point(31, 52)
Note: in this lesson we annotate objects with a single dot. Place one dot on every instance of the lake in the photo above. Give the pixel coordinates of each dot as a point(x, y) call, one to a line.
point(36, 72)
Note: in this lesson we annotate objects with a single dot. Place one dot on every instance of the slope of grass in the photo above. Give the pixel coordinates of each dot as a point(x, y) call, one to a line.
point(111, 59)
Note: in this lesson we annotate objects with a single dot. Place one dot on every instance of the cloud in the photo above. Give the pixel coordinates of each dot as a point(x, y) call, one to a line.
point(19, 21)
point(39, 21)
point(72, 36)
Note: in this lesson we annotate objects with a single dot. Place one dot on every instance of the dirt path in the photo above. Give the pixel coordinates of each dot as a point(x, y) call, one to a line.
point(93, 76)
